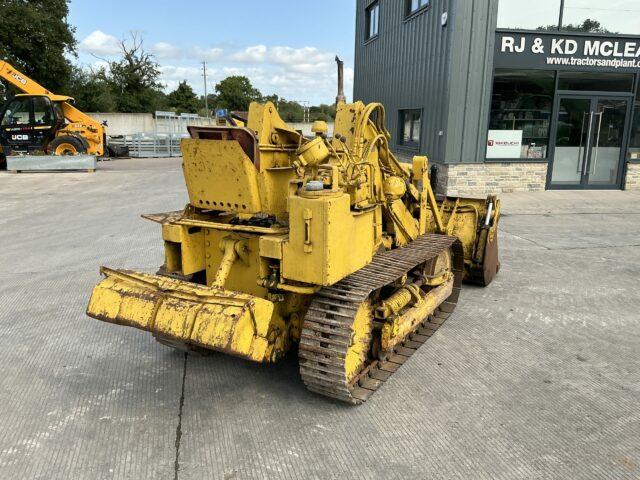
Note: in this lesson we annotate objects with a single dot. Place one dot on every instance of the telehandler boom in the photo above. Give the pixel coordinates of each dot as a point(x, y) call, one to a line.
point(39, 120)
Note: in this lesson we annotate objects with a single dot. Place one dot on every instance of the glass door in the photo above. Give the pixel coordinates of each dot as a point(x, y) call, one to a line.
point(607, 141)
point(589, 141)
point(572, 132)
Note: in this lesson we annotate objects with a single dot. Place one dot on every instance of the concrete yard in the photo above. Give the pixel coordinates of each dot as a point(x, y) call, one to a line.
point(534, 377)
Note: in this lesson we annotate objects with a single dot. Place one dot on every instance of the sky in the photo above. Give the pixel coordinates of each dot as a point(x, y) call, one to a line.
point(286, 47)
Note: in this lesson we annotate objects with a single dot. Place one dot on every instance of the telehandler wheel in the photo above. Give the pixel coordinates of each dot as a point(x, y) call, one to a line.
point(66, 145)
point(117, 151)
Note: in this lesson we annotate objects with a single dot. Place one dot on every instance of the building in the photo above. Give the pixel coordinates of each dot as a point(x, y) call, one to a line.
point(507, 95)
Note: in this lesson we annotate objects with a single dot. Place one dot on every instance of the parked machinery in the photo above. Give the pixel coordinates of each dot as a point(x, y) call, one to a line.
point(41, 121)
point(328, 244)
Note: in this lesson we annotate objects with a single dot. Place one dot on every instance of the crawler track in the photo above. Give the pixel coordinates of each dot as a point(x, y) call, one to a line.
point(327, 328)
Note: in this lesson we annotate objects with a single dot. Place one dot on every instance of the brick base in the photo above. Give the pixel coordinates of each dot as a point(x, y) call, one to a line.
point(632, 182)
point(485, 178)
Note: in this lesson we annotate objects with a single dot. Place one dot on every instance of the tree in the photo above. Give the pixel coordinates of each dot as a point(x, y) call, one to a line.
point(588, 26)
point(135, 79)
point(204, 108)
point(36, 38)
point(322, 112)
point(290, 111)
point(91, 90)
point(183, 99)
point(273, 98)
point(236, 93)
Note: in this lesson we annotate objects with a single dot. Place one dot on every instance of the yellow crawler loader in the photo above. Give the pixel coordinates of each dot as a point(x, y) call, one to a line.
point(328, 245)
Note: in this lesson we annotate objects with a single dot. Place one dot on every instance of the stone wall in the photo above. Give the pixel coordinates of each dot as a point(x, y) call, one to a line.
point(483, 178)
point(632, 182)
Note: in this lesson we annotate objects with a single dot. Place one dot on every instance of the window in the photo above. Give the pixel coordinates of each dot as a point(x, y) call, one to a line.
point(410, 128)
point(412, 6)
point(590, 16)
point(17, 112)
point(520, 113)
point(596, 16)
point(528, 15)
point(596, 82)
point(42, 111)
point(58, 112)
point(373, 20)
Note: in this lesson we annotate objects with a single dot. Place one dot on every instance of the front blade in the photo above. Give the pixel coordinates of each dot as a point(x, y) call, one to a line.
point(212, 318)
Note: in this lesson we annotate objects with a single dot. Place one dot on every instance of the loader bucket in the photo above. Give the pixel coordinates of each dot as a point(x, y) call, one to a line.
point(475, 222)
point(484, 272)
point(486, 262)
point(205, 317)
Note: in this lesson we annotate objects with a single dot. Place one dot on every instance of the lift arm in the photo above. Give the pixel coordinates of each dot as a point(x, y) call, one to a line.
point(25, 84)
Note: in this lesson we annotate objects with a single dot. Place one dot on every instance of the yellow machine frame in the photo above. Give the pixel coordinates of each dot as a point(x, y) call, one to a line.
point(264, 275)
point(277, 223)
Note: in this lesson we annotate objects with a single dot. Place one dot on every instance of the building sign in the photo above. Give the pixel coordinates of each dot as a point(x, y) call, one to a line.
point(543, 50)
point(504, 144)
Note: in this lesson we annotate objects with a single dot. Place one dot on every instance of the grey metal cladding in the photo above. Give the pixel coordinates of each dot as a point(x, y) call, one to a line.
point(405, 67)
point(470, 80)
point(445, 71)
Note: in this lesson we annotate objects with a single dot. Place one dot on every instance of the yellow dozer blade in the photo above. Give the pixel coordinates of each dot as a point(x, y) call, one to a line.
point(197, 315)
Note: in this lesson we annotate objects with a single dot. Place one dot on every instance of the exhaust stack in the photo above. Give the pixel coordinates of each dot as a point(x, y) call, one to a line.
point(340, 97)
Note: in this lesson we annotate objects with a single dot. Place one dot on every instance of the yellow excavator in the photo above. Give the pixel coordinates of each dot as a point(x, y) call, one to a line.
point(328, 245)
point(43, 122)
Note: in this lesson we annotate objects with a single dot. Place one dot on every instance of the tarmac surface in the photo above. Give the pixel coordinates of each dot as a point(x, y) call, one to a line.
point(534, 377)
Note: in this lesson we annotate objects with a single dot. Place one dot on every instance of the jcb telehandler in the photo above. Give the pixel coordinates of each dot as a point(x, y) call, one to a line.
point(41, 121)
point(328, 245)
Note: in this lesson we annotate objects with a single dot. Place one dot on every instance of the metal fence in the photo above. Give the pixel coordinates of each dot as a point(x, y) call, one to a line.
point(165, 141)
point(149, 145)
